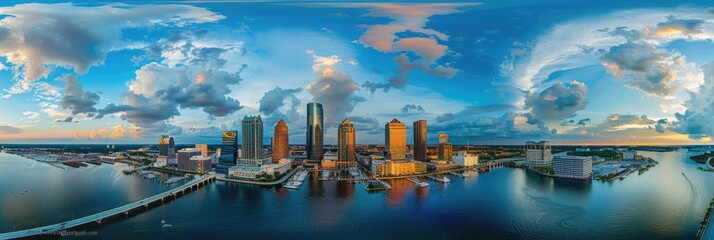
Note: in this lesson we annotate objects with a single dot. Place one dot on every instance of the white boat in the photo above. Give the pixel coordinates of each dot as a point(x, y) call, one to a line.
point(442, 179)
point(418, 183)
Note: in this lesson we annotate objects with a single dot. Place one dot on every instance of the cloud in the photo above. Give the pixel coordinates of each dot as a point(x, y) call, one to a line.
point(638, 57)
point(697, 120)
point(76, 99)
point(413, 108)
point(558, 101)
point(407, 34)
point(474, 110)
point(69, 119)
point(675, 26)
point(275, 99)
point(34, 37)
point(510, 125)
point(8, 130)
point(190, 74)
point(584, 121)
point(333, 89)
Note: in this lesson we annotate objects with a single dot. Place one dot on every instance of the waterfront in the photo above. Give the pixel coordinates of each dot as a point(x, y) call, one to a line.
point(503, 203)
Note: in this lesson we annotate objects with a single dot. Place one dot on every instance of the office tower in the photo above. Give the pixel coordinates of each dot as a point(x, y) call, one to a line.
point(184, 156)
point(538, 153)
point(573, 167)
point(167, 148)
point(444, 147)
point(419, 144)
point(345, 144)
point(228, 156)
point(204, 149)
point(313, 144)
point(279, 143)
point(395, 140)
point(252, 137)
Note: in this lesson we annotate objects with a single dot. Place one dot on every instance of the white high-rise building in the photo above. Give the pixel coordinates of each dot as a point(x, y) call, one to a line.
point(538, 153)
point(573, 166)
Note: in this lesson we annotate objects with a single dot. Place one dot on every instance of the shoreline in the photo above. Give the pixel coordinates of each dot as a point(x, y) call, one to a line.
point(220, 177)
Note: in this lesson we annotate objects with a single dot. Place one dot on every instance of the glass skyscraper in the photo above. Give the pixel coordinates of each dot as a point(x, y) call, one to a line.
point(167, 147)
point(252, 137)
point(228, 158)
point(314, 134)
point(419, 144)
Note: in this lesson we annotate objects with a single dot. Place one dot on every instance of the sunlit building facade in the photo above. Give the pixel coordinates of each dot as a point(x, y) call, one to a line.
point(204, 149)
point(444, 148)
point(420, 137)
point(573, 167)
point(279, 143)
point(346, 144)
point(313, 144)
point(395, 140)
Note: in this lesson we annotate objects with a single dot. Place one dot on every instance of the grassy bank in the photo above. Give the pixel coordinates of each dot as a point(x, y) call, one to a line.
point(702, 158)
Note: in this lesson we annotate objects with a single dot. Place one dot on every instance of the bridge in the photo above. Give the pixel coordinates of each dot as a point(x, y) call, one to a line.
point(98, 217)
point(709, 163)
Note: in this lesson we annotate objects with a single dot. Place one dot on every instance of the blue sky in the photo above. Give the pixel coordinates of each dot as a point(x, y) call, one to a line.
point(492, 72)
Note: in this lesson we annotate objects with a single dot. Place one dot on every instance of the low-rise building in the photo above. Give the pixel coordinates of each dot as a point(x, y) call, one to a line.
point(465, 159)
point(629, 155)
point(252, 172)
point(573, 167)
point(200, 164)
point(183, 157)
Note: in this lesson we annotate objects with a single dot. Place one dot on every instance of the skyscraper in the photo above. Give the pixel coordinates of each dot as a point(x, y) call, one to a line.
point(444, 149)
point(345, 144)
point(395, 140)
point(252, 137)
point(315, 127)
point(279, 143)
point(419, 144)
point(167, 148)
point(228, 158)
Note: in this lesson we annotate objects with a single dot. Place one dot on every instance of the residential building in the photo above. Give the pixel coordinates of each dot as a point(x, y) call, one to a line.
point(229, 146)
point(252, 137)
point(314, 135)
point(538, 153)
point(465, 159)
point(279, 143)
point(345, 144)
point(420, 139)
point(395, 140)
point(199, 164)
point(204, 149)
point(573, 167)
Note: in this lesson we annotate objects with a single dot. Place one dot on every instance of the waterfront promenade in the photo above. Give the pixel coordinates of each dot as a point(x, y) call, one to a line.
point(708, 232)
point(98, 217)
point(221, 177)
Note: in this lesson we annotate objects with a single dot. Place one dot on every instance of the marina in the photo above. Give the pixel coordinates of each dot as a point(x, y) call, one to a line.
point(418, 183)
point(442, 179)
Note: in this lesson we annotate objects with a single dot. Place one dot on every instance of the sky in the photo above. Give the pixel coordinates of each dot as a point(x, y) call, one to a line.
point(490, 72)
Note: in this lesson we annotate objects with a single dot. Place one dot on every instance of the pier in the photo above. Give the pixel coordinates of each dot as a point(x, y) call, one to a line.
point(196, 183)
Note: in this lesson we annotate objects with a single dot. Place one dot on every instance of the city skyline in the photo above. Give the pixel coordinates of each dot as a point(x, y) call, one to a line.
point(192, 70)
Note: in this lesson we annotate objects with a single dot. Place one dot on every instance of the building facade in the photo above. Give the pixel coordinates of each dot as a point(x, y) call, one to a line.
point(313, 143)
point(420, 137)
point(204, 149)
point(538, 153)
point(573, 167)
point(184, 156)
point(167, 148)
point(465, 159)
point(444, 148)
point(252, 137)
point(629, 155)
point(395, 140)
point(279, 143)
point(229, 147)
point(345, 144)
